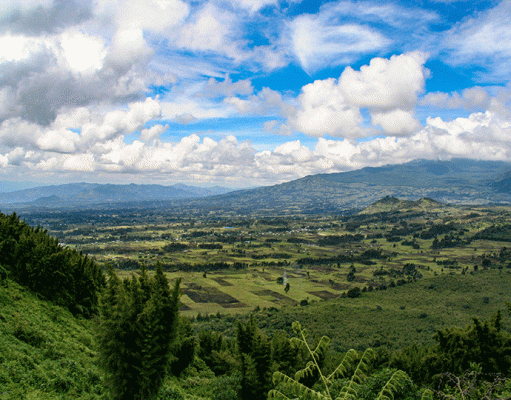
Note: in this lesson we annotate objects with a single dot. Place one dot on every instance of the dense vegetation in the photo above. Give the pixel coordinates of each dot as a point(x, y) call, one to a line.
point(435, 316)
point(34, 259)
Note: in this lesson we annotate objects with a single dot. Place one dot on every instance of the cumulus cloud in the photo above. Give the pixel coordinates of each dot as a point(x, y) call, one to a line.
point(265, 102)
point(40, 17)
point(154, 132)
point(386, 83)
point(388, 88)
point(470, 99)
point(481, 136)
point(116, 123)
point(324, 110)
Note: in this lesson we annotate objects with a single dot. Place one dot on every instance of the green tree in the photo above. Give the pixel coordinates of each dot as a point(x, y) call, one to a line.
point(254, 352)
point(37, 261)
point(136, 331)
point(484, 343)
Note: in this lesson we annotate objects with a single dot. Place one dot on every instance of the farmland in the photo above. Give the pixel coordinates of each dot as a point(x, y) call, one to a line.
point(233, 264)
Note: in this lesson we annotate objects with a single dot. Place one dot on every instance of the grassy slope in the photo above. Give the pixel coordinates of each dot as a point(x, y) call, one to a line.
point(396, 317)
point(45, 353)
point(408, 314)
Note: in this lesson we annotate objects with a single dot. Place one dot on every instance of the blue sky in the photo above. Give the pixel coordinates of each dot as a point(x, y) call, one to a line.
point(243, 93)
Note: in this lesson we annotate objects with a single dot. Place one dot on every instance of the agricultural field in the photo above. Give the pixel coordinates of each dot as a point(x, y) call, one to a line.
point(231, 265)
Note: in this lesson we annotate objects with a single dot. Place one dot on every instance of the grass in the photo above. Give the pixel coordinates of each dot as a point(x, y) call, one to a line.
point(45, 353)
point(394, 318)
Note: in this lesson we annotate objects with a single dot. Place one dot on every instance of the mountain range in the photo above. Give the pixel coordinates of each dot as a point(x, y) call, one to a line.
point(77, 194)
point(458, 181)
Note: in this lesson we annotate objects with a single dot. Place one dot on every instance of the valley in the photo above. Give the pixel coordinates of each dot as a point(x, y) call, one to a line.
point(231, 265)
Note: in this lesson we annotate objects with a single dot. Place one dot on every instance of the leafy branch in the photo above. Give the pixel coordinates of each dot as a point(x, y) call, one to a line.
point(286, 386)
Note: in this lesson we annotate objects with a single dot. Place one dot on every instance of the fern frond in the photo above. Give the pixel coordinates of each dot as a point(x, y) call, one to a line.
point(350, 391)
point(343, 367)
point(275, 394)
point(293, 386)
point(396, 381)
point(306, 372)
point(427, 395)
point(321, 348)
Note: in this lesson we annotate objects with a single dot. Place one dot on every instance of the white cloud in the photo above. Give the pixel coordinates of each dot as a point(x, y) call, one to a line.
point(483, 41)
point(154, 132)
point(79, 162)
point(184, 109)
point(83, 53)
point(396, 122)
point(481, 136)
point(116, 123)
point(214, 88)
point(386, 83)
point(128, 47)
point(150, 15)
point(254, 5)
point(388, 88)
point(265, 102)
point(210, 30)
point(317, 45)
point(470, 99)
point(323, 109)
point(61, 140)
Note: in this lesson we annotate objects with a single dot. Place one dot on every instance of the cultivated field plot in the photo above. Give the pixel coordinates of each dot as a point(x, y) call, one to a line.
point(233, 292)
point(234, 264)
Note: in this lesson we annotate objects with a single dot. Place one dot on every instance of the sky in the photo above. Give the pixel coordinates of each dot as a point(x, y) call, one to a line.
point(244, 93)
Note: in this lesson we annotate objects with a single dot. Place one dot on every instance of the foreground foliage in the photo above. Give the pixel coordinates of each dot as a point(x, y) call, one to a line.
point(136, 330)
point(45, 352)
point(34, 259)
point(328, 387)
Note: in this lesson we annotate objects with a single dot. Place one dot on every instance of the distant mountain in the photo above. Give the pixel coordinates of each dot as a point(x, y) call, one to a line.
point(458, 181)
point(76, 194)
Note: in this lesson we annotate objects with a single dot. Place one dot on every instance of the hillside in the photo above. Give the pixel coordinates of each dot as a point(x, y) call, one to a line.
point(86, 194)
point(458, 181)
point(45, 352)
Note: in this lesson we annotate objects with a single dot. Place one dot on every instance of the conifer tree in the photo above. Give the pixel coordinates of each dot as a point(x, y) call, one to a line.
point(254, 351)
point(136, 330)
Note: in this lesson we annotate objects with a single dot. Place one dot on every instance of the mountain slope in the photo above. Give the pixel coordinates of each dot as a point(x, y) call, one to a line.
point(456, 181)
point(93, 193)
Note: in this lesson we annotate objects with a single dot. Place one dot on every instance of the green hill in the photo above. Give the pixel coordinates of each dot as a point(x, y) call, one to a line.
point(45, 352)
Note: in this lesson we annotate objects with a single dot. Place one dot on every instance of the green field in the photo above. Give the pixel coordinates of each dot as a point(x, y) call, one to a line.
point(387, 278)
point(232, 265)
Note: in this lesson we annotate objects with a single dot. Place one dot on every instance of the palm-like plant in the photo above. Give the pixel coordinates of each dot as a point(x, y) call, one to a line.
point(350, 391)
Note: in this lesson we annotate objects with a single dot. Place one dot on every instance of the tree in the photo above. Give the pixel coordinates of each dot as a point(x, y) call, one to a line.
point(484, 343)
point(37, 261)
point(254, 352)
point(136, 331)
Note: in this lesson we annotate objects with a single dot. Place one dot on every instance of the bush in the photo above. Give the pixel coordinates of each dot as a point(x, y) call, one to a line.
point(354, 293)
